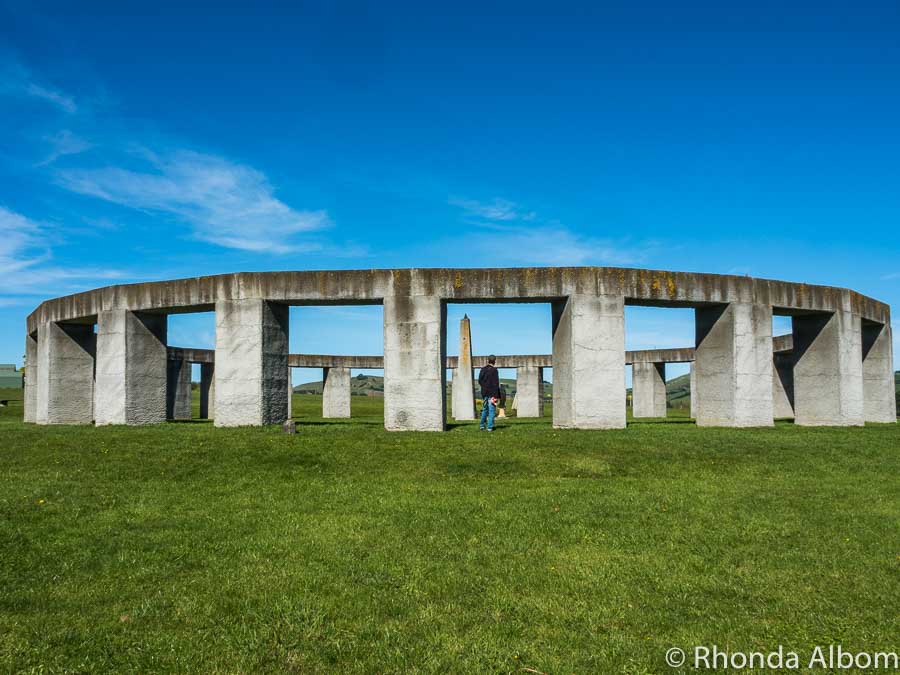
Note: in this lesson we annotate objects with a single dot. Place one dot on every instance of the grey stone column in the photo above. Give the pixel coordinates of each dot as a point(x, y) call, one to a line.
point(783, 385)
point(336, 393)
point(251, 362)
point(207, 391)
point(463, 391)
point(65, 373)
point(31, 378)
point(529, 400)
point(693, 391)
point(178, 390)
point(414, 352)
point(880, 403)
point(131, 368)
point(828, 373)
point(648, 389)
point(589, 362)
point(290, 396)
point(733, 365)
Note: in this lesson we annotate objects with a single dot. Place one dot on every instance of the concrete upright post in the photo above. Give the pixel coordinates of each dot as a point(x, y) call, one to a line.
point(783, 385)
point(733, 365)
point(529, 399)
point(131, 368)
point(336, 393)
point(290, 396)
point(251, 362)
point(65, 384)
point(463, 392)
point(828, 373)
point(414, 353)
point(588, 362)
point(207, 391)
point(648, 389)
point(31, 378)
point(879, 389)
point(178, 390)
point(693, 391)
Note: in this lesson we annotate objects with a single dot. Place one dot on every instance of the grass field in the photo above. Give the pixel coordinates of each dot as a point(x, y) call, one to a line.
point(347, 548)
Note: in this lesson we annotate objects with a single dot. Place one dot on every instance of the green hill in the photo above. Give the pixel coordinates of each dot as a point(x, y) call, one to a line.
point(361, 385)
point(678, 390)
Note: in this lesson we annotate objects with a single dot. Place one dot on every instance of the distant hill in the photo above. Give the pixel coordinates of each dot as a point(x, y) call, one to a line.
point(678, 391)
point(361, 385)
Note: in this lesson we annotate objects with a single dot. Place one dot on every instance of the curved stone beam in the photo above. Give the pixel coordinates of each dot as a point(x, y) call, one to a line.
point(836, 331)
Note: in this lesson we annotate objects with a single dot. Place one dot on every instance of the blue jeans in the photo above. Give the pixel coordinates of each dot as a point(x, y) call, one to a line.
point(487, 413)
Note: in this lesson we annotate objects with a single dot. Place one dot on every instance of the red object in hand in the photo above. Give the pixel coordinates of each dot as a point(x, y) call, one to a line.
point(493, 400)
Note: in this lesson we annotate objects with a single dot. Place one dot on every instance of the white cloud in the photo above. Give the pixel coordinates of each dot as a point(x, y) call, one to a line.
point(499, 210)
point(54, 96)
point(24, 258)
point(552, 244)
point(64, 143)
point(226, 203)
point(17, 81)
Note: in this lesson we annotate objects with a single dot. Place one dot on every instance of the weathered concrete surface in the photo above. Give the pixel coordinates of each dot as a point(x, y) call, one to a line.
point(290, 396)
point(414, 357)
point(251, 363)
point(536, 284)
point(828, 377)
point(463, 403)
point(648, 389)
point(336, 393)
point(31, 378)
point(733, 365)
point(65, 386)
point(783, 385)
point(131, 368)
point(693, 391)
point(529, 399)
point(178, 390)
point(588, 358)
point(207, 391)
point(880, 403)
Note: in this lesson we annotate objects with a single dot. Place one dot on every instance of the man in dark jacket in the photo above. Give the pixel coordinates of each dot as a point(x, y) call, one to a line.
point(489, 379)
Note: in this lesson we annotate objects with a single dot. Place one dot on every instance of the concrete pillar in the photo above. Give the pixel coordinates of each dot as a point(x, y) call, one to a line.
point(414, 373)
point(529, 399)
point(178, 390)
point(880, 403)
point(207, 391)
point(65, 382)
point(828, 373)
point(783, 385)
point(336, 393)
point(31, 378)
point(290, 396)
point(648, 389)
point(131, 368)
point(463, 391)
point(693, 392)
point(733, 365)
point(588, 358)
point(251, 362)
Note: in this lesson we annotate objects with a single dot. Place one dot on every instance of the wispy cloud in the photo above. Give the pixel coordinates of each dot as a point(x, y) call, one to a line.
point(499, 210)
point(18, 81)
point(516, 235)
point(891, 276)
point(64, 143)
point(25, 262)
point(226, 203)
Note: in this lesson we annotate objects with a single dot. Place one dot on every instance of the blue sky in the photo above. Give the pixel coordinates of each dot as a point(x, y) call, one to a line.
point(192, 138)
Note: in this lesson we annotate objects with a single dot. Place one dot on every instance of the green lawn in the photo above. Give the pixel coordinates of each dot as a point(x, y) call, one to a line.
point(347, 548)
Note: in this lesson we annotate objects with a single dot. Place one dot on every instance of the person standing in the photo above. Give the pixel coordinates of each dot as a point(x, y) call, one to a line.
point(489, 380)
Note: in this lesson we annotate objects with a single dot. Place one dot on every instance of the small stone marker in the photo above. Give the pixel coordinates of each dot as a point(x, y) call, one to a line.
point(290, 427)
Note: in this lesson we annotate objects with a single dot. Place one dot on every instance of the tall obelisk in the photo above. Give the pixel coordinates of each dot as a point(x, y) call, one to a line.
point(463, 392)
